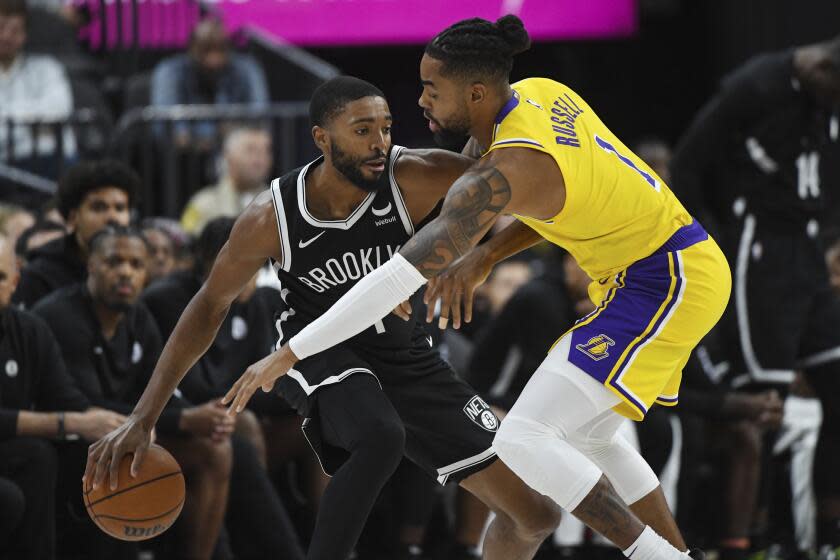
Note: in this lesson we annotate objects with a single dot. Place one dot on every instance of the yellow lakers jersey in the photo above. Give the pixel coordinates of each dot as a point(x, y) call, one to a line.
point(617, 209)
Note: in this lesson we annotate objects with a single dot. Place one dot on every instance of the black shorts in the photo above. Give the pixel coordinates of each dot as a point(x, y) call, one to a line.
point(783, 316)
point(449, 427)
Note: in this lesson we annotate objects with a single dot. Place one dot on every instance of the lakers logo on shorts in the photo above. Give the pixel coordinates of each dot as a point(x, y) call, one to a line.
point(479, 412)
point(596, 347)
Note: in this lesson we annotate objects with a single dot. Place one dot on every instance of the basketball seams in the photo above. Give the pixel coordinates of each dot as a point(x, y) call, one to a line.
point(145, 519)
point(138, 485)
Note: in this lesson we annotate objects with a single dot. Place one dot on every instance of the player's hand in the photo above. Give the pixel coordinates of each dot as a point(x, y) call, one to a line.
point(455, 287)
point(208, 420)
point(105, 455)
point(261, 374)
point(403, 310)
point(96, 423)
point(766, 409)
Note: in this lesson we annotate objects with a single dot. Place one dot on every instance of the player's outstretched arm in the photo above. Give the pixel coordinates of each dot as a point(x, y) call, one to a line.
point(254, 239)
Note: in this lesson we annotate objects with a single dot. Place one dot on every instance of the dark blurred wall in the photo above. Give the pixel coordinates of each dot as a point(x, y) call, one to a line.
point(649, 85)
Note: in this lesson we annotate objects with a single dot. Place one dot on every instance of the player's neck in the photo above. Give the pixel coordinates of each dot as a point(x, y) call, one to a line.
point(482, 131)
point(330, 195)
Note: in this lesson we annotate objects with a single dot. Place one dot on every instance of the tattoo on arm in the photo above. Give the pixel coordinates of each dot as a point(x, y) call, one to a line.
point(474, 202)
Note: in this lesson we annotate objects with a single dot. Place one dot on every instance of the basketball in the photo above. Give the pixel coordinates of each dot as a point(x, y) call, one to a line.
point(141, 507)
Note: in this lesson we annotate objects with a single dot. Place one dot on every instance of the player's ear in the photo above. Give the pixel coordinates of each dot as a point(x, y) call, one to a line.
point(320, 136)
point(478, 92)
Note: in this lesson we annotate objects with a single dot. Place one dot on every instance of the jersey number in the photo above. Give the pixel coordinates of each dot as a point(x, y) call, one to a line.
point(607, 147)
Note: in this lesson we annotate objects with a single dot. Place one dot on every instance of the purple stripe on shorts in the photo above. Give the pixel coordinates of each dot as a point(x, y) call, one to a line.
point(616, 380)
point(597, 346)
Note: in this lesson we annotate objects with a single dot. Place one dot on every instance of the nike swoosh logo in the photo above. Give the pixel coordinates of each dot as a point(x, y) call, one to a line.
point(383, 212)
point(304, 244)
point(429, 338)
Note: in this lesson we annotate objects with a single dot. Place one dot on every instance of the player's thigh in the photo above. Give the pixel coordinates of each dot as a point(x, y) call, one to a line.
point(449, 427)
point(560, 395)
point(356, 410)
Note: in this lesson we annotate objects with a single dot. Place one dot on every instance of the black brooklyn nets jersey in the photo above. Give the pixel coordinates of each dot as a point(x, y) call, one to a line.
point(321, 260)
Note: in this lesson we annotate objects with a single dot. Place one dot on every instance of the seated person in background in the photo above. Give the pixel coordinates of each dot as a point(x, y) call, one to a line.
point(33, 88)
point(13, 221)
point(36, 237)
point(111, 348)
point(38, 402)
point(181, 240)
point(162, 261)
point(90, 196)
point(110, 345)
point(209, 73)
point(247, 334)
point(247, 164)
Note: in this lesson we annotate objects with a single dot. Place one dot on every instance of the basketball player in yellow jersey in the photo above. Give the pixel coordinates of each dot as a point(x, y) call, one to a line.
point(659, 281)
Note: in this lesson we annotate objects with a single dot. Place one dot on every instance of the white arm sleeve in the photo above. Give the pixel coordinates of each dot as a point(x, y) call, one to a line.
point(371, 299)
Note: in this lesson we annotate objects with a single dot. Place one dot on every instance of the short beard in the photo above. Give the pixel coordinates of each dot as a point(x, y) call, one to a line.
point(454, 136)
point(350, 167)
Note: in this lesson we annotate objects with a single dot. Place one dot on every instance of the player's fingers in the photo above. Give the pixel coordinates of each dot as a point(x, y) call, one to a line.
point(434, 297)
point(229, 396)
point(400, 312)
point(93, 455)
point(243, 397)
point(101, 468)
point(445, 306)
point(114, 468)
point(406, 307)
point(456, 309)
point(139, 454)
point(468, 304)
point(431, 288)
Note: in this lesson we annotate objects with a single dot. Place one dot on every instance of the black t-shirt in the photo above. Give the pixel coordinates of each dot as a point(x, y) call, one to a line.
point(762, 139)
point(511, 347)
point(32, 372)
point(56, 265)
point(112, 373)
point(246, 336)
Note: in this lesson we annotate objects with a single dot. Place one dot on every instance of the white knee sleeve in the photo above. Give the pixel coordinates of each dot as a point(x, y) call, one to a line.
point(545, 461)
point(629, 473)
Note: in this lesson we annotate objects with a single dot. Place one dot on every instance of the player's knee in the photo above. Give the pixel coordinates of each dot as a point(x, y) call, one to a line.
point(516, 435)
point(386, 439)
point(542, 519)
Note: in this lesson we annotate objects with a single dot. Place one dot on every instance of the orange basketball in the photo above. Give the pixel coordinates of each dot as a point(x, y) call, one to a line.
point(141, 507)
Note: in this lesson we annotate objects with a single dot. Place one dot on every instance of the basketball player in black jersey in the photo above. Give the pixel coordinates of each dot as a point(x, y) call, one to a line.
point(384, 393)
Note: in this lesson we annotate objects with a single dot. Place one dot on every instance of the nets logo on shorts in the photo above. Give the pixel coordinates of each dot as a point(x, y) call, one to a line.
point(479, 412)
point(597, 346)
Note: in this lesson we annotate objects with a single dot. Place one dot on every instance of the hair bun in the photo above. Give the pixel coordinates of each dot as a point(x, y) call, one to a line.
point(514, 33)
